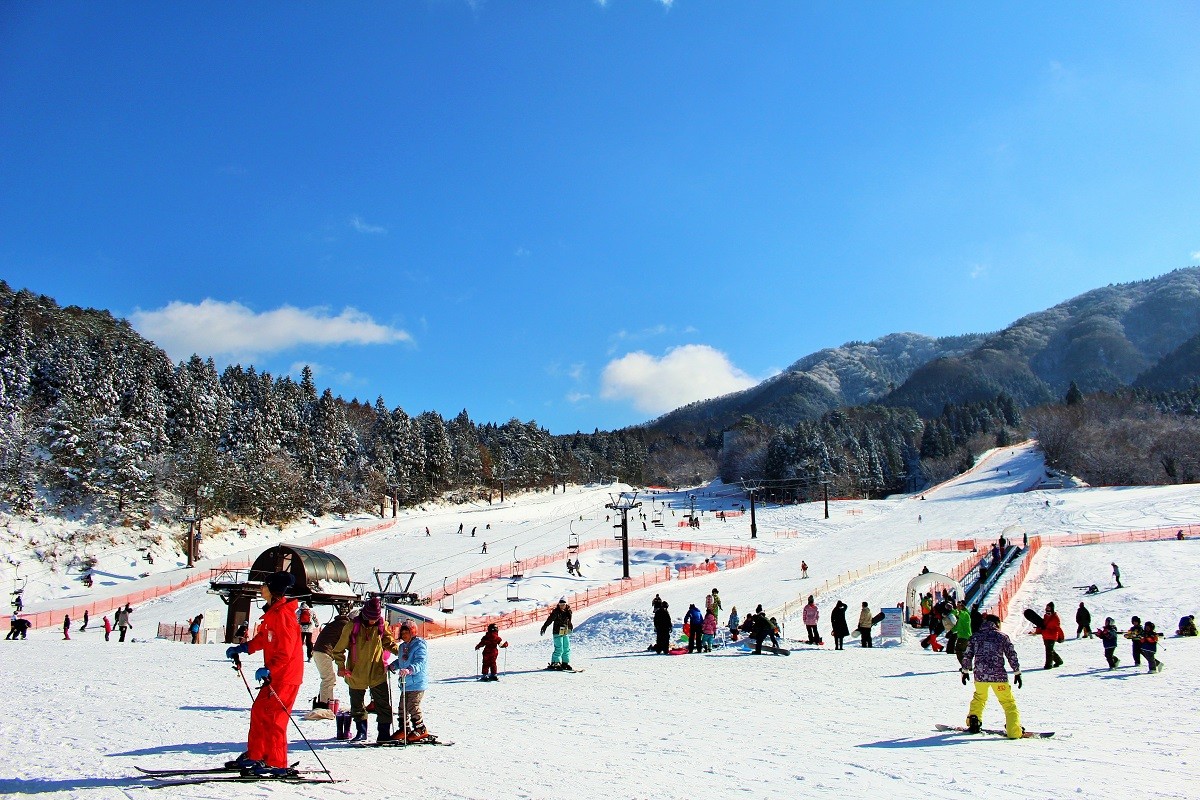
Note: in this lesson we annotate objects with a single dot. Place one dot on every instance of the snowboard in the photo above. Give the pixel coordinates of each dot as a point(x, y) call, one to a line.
point(994, 732)
point(1035, 618)
point(878, 618)
point(766, 648)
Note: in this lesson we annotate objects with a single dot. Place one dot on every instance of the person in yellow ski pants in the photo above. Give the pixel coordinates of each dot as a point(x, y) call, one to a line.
point(985, 655)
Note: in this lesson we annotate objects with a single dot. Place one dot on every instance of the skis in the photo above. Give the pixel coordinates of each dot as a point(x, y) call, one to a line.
point(430, 739)
point(164, 781)
point(205, 771)
point(995, 732)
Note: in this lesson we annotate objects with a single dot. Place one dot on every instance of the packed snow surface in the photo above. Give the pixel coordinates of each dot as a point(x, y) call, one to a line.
point(817, 724)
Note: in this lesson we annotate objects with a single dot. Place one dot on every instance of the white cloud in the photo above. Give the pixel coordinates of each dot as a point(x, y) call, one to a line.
point(1196, 255)
point(362, 226)
point(978, 270)
point(215, 328)
point(577, 397)
point(685, 374)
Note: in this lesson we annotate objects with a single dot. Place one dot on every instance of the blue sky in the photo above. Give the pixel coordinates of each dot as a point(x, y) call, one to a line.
point(587, 213)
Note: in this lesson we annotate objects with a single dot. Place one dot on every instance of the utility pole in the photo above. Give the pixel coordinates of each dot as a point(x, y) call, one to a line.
point(624, 506)
point(825, 486)
point(750, 490)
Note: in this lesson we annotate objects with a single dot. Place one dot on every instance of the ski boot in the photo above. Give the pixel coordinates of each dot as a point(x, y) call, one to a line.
point(565, 667)
point(554, 665)
point(417, 734)
point(360, 731)
point(974, 724)
point(263, 771)
point(242, 762)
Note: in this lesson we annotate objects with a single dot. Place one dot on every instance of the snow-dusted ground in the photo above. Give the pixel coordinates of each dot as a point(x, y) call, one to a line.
point(818, 724)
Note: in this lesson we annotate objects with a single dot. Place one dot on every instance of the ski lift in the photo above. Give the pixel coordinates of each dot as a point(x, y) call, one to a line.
point(573, 543)
point(514, 592)
point(447, 604)
point(516, 568)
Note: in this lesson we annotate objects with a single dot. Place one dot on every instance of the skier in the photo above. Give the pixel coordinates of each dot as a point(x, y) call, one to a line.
point(837, 620)
point(1117, 575)
point(662, 627)
point(811, 615)
point(1052, 633)
point(86, 618)
point(1108, 637)
point(491, 644)
point(695, 621)
point(560, 621)
point(323, 657)
point(1134, 634)
point(107, 627)
point(733, 624)
point(578, 571)
point(123, 623)
point(278, 638)
point(306, 629)
point(1083, 621)
point(365, 640)
point(1150, 647)
point(411, 665)
point(865, 618)
point(66, 626)
point(985, 654)
point(803, 569)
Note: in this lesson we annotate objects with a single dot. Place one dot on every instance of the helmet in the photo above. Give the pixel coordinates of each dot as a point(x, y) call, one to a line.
point(492, 627)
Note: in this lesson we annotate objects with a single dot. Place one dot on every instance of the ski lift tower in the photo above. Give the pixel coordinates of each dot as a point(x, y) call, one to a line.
point(624, 503)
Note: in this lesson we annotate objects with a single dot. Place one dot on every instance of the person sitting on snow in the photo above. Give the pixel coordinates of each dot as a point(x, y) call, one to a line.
point(1187, 626)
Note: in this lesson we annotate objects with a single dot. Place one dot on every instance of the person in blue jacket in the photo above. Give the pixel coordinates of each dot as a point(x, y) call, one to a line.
point(695, 621)
point(1108, 637)
point(412, 666)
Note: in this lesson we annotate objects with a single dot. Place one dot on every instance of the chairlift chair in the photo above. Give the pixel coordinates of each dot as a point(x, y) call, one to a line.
point(514, 592)
point(573, 543)
point(447, 603)
point(516, 573)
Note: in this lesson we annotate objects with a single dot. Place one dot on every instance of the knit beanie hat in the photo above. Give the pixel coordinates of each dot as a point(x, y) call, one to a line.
point(371, 612)
point(279, 582)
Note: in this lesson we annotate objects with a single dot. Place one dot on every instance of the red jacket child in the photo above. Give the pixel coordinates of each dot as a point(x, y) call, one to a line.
point(491, 644)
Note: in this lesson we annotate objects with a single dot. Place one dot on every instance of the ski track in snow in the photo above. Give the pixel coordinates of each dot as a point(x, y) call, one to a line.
point(816, 724)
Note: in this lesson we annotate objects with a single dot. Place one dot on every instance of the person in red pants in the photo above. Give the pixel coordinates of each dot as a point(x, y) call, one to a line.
point(279, 640)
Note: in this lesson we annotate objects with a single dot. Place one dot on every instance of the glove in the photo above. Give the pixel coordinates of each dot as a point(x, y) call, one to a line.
point(504, 645)
point(966, 674)
point(1017, 679)
point(345, 673)
point(262, 674)
point(233, 652)
point(406, 672)
point(393, 665)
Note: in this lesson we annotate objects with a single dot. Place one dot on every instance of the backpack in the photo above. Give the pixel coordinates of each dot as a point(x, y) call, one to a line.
point(306, 616)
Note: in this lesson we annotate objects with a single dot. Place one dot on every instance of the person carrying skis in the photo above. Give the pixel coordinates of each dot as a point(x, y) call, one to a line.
point(662, 627)
point(491, 644)
point(694, 621)
point(358, 653)
point(1052, 633)
point(1108, 637)
point(1150, 647)
point(837, 621)
point(1134, 634)
point(411, 664)
point(1083, 622)
point(811, 615)
point(322, 656)
point(985, 655)
point(282, 673)
point(559, 621)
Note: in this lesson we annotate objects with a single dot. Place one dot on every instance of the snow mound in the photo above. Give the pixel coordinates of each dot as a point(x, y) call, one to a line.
point(613, 629)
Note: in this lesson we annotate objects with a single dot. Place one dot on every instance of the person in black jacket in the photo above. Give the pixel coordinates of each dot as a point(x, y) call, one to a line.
point(662, 628)
point(1083, 621)
point(762, 629)
point(841, 630)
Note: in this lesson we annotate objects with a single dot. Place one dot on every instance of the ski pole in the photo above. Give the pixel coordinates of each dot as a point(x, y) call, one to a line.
point(403, 710)
point(476, 663)
point(267, 685)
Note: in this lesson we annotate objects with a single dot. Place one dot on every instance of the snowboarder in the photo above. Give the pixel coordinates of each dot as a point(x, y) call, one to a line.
point(811, 616)
point(1052, 633)
point(662, 627)
point(1108, 637)
point(491, 644)
point(282, 673)
point(985, 655)
point(86, 618)
point(837, 619)
point(762, 629)
point(365, 640)
point(483, 550)
point(1117, 575)
point(1083, 621)
point(559, 621)
point(1134, 634)
point(694, 621)
point(412, 665)
point(865, 618)
point(322, 657)
point(123, 623)
point(1187, 626)
point(578, 571)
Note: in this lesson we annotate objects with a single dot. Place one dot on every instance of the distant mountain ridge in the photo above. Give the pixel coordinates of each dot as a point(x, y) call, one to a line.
point(1143, 333)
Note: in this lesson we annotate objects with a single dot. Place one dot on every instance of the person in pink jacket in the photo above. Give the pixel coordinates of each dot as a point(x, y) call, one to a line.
point(708, 631)
point(811, 616)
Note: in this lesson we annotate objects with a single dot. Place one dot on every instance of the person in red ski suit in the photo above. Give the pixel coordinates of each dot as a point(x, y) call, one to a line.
point(278, 638)
point(491, 644)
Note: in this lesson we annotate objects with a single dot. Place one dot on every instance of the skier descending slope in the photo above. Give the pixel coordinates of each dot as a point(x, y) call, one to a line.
point(986, 653)
point(279, 639)
point(560, 623)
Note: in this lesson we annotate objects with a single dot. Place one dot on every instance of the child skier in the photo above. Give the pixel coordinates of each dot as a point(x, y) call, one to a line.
point(734, 621)
point(1150, 647)
point(491, 644)
point(1108, 637)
